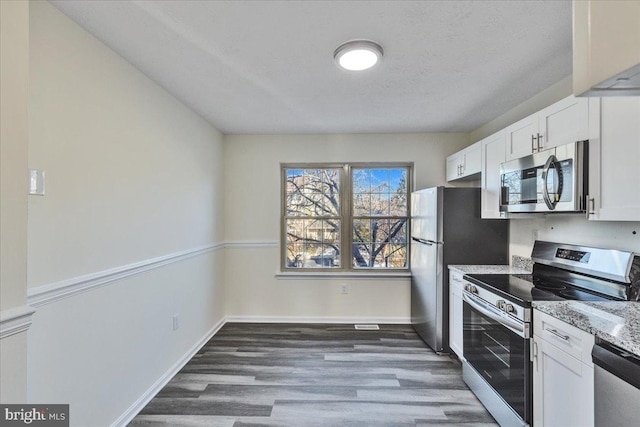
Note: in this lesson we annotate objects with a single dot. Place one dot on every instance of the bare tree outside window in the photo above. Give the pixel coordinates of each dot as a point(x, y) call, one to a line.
point(371, 227)
point(379, 218)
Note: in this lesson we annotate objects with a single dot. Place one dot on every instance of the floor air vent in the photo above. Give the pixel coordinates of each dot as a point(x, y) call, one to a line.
point(367, 327)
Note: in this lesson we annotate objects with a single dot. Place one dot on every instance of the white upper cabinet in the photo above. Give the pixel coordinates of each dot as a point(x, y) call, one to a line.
point(564, 122)
point(465, 164)
point(493, 154)
point(561, 123)
point(522, 137)
point(614, 159)
point(606, 53)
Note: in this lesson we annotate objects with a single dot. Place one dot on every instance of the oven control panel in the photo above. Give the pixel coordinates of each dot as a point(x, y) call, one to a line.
point(573, 255)
point(508, 307)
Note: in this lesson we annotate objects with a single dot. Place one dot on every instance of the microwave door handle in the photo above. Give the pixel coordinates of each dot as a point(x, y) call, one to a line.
point(551, 204)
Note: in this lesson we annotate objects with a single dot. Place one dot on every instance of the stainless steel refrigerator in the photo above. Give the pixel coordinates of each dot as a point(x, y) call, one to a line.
point(446, 228)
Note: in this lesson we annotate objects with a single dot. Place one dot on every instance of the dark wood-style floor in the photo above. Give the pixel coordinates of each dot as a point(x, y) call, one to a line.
point(316, 375)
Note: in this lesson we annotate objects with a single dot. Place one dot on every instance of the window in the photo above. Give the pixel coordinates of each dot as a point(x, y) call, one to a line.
point(350, 217)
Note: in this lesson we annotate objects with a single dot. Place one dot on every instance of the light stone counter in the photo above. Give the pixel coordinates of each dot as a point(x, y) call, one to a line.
point(617, 322)
point(488, 269)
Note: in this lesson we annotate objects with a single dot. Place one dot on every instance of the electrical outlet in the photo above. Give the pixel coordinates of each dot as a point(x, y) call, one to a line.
point(344, 288)
point(176, 322)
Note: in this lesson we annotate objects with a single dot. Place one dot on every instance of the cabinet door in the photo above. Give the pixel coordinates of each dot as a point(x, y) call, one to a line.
point(614, 150)
point(520, 136)
point(493, 154)
point(562, 388)
point(563, 122)
point(455, 314)
point(472, 159)
point(453, 167)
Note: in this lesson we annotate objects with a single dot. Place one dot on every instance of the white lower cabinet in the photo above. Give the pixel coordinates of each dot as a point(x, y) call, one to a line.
point(455, 313)
point(562, 374)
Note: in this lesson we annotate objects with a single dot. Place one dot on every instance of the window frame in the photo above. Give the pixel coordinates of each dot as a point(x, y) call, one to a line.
point(346, 217)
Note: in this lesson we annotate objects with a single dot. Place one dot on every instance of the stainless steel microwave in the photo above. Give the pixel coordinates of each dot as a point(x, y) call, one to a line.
point(553, 180)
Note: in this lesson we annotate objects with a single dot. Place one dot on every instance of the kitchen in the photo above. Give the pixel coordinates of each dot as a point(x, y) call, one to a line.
point(60, 250)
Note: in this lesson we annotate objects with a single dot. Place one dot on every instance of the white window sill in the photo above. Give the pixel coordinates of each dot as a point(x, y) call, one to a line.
point(396, 275)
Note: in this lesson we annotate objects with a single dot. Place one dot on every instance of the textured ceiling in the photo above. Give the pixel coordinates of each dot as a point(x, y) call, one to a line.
point(267, 66)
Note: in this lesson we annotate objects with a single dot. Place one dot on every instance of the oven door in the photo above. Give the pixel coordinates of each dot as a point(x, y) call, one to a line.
point(497, 346)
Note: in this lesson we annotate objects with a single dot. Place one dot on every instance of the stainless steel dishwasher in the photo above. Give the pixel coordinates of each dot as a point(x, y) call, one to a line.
point(617, 386)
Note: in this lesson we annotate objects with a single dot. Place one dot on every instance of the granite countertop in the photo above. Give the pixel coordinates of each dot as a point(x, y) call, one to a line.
point(488, 269)
point(617, 322)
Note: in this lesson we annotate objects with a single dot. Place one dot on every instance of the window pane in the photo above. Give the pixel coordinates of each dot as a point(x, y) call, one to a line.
point(313, 243)
point(313, 192)
point(379, 192)
point(361, 255)
point(380, 243)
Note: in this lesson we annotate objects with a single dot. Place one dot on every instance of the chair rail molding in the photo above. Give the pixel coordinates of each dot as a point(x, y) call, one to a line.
point(15, 320)
point(252, 244)
point(50, 293)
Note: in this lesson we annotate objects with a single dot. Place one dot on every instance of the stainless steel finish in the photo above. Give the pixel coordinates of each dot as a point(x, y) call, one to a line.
point(520, 313)
point(533, 143)
point(558, 334)
point(616, 386)
point(539, 140)
point(501, 304)
point(427, 301)
point(575, 151)
point(499, 409)
point(590, 201)
point(551, 204)
point(606, 263)
point(509, 308)
point(515, 325)
point(437, 214)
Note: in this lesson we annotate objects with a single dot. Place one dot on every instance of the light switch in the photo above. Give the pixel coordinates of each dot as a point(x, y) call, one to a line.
point(36, 182)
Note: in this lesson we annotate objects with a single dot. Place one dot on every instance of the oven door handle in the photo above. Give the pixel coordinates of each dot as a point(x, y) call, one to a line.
point(494, 313)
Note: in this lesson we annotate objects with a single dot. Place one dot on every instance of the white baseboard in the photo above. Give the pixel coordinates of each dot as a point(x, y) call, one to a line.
point(146, 397)
point(317, 319)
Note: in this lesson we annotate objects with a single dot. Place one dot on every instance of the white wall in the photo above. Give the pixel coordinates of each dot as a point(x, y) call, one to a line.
point(14, 85)
point(252, 224)
point(574, 229)
point(131, 175)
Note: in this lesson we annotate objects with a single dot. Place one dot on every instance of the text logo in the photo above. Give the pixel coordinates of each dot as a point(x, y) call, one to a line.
point(34, 415)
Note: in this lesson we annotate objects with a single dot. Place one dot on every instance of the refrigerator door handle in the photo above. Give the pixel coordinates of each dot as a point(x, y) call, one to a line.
point(424, 241)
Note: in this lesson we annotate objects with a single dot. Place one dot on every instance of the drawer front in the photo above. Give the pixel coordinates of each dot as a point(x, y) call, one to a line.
point(568, 338)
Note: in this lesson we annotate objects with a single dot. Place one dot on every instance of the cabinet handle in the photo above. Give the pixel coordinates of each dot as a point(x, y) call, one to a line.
point(590, 201)
point(558, 334)
point(539, 140)
point(533, 143)
point(534, 353)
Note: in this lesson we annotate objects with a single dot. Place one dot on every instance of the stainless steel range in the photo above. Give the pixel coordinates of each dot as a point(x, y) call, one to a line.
point(498, 317)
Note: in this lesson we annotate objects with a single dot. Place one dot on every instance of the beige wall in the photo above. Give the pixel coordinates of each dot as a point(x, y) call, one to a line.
point(252, 223)
point(131, 175)
point(14, 85)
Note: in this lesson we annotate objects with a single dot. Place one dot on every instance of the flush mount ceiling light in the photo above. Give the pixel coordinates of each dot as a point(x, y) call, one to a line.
point(358, 55)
